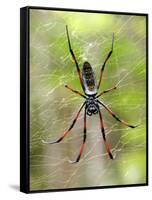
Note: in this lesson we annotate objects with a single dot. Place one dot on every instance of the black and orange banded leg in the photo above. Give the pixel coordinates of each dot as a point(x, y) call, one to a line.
point(74, 58)
point(116, 117)
point(104, 136)
point(84, 140)
point(103, 66)
point(106, 91)
point(68, 131)
point(75, 91)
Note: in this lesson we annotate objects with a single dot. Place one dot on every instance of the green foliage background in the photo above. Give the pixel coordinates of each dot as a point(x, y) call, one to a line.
point(52, 106)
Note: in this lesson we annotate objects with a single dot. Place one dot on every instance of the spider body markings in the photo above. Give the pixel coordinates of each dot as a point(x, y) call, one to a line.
point(89, 80)
point(92, 104)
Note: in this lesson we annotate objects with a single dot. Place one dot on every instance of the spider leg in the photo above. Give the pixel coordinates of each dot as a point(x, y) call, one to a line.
point(77, 92)
point(74, 58)
point(106, 91)
point(84, 140)
point(103, 66)
point(115, 116)
point(68, 131)
point(104, 136)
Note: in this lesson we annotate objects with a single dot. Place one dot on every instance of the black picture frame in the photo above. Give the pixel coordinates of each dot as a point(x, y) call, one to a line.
point(25, 95)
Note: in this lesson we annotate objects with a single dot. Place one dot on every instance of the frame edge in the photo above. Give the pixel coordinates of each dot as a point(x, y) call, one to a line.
point(24, 102)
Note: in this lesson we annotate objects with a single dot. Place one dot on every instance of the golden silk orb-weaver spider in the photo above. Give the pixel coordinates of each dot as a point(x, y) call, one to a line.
point(91, 104)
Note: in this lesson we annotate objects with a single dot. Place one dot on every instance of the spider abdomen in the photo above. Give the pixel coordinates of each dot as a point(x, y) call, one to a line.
point(89, 80)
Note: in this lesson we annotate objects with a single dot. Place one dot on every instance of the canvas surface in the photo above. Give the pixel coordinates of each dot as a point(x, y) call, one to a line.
point(53, 107)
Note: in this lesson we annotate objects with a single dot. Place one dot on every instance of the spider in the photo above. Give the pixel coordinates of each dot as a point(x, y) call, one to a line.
point(91, 104)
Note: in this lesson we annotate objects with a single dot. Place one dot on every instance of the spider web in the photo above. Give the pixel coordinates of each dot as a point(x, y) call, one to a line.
point(53, 107)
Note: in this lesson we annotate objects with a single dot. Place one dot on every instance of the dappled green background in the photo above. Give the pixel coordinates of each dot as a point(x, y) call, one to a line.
point(52, 106)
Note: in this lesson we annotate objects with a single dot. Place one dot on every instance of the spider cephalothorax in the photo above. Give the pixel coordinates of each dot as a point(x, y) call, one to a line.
point(91, 104)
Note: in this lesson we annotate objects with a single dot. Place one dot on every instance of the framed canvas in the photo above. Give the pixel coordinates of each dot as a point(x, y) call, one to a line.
point(84, 99)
